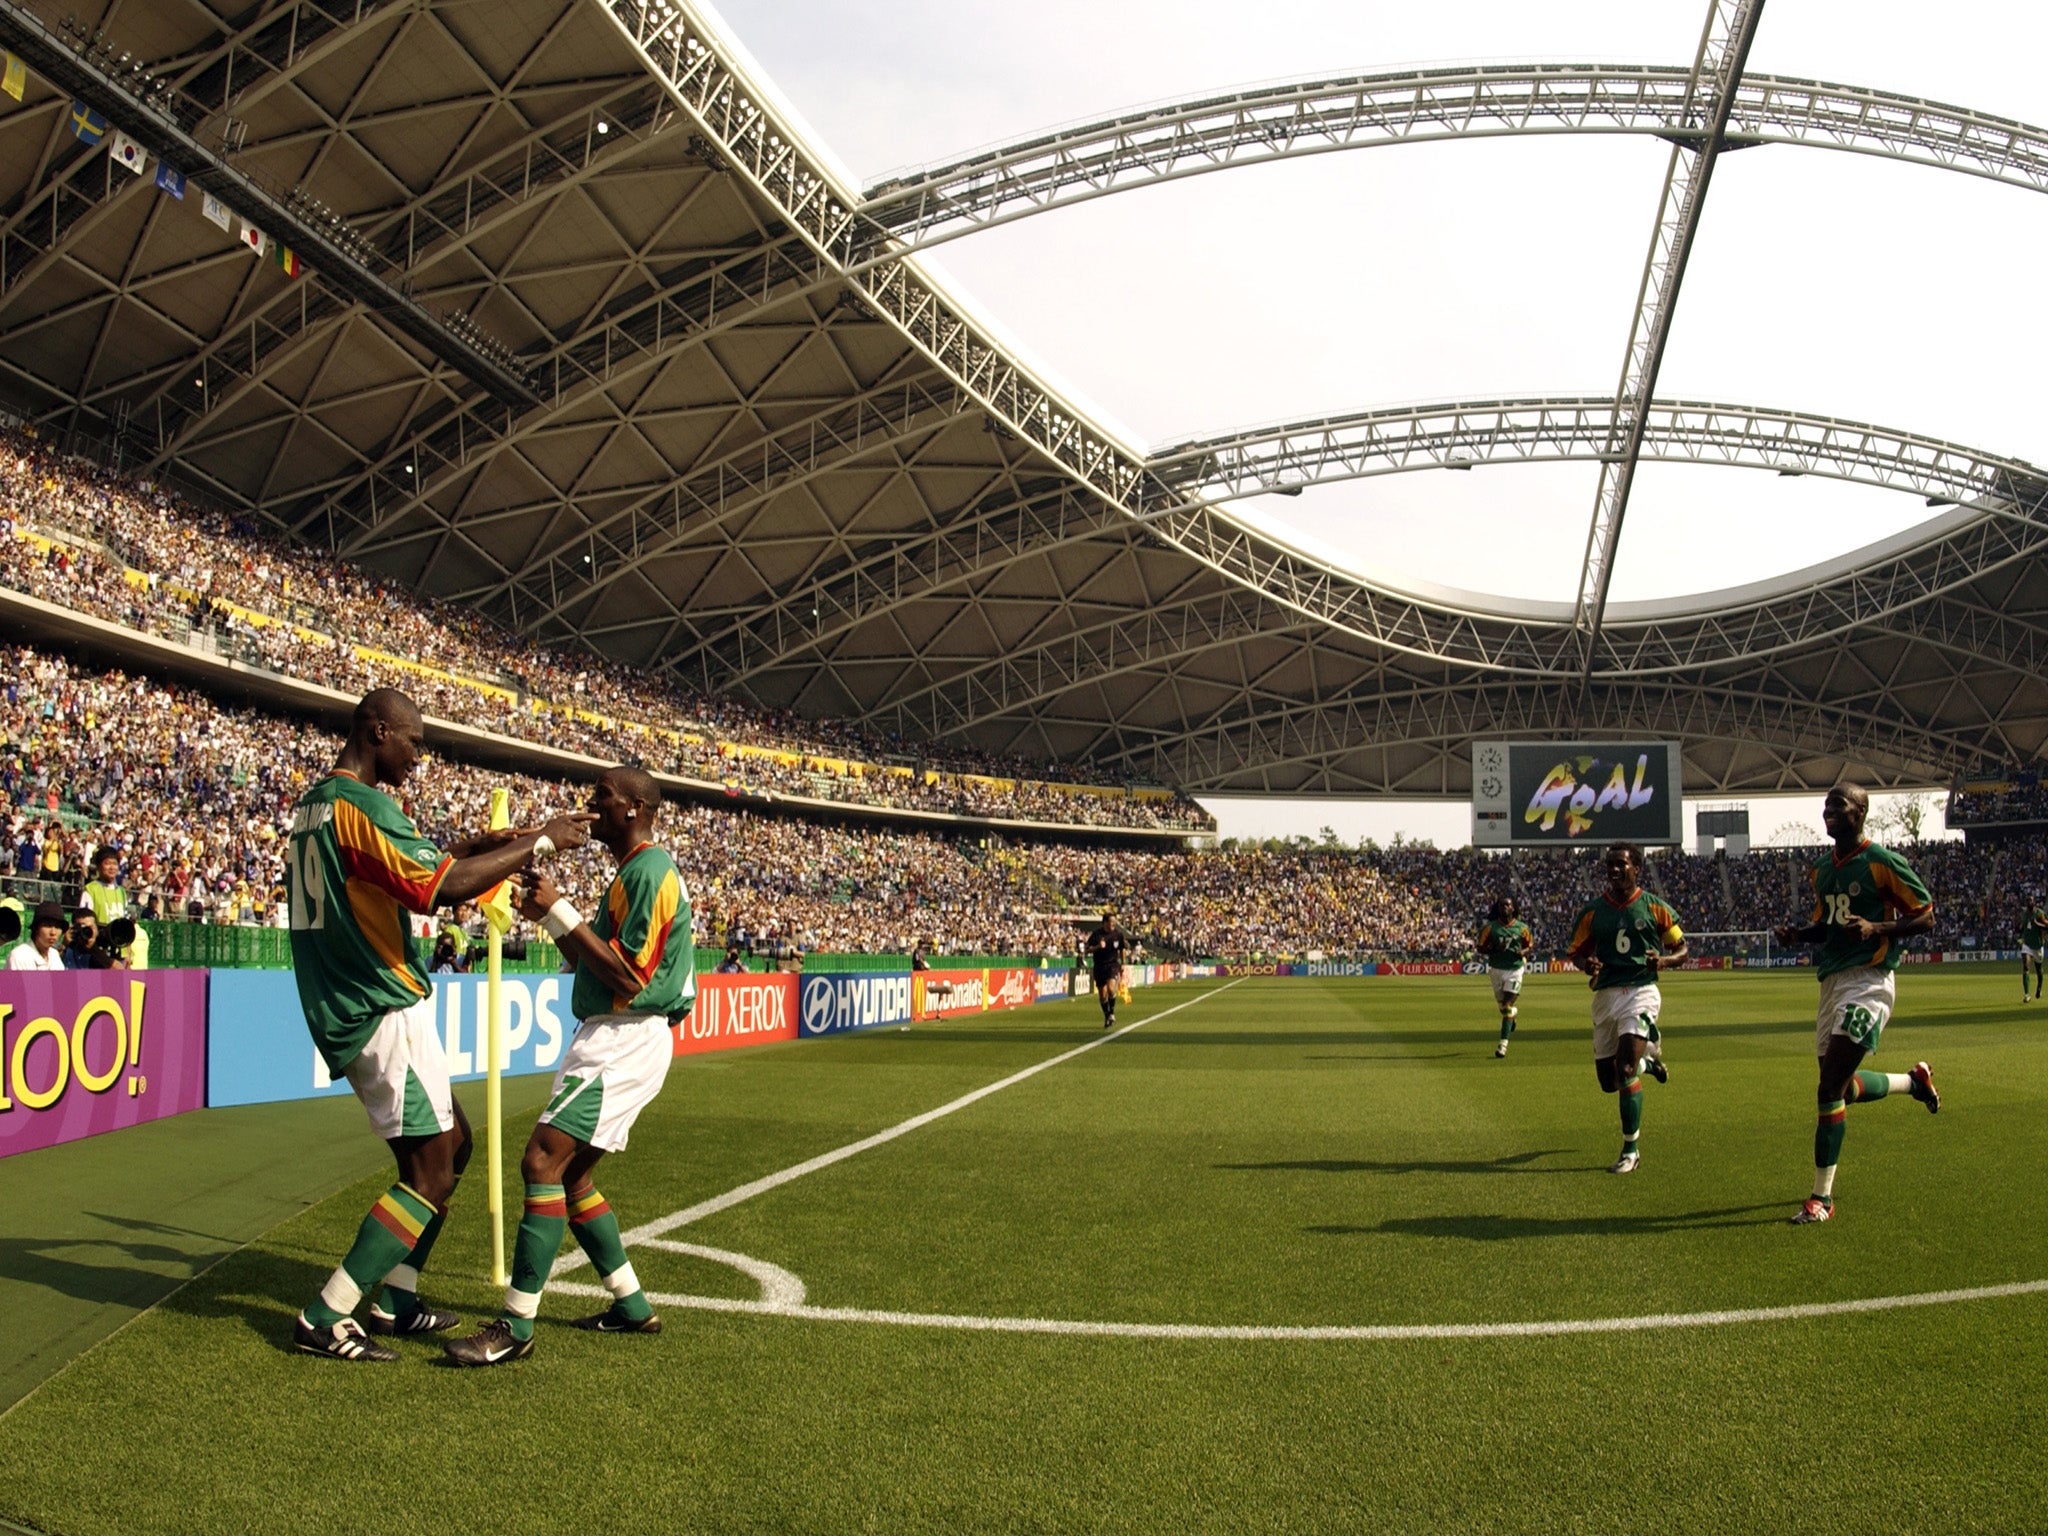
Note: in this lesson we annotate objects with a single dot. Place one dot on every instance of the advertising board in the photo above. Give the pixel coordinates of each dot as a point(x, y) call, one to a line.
point(260, 1051)
point(83, 1052)
point(945, 994)
point(1009, 987)
point(836, 1001)
point(751, 1008)
point(1572, 793)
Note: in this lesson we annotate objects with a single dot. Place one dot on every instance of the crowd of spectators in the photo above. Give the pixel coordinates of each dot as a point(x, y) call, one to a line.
point(194, 797)
point(139, 555)
point(2019, 801)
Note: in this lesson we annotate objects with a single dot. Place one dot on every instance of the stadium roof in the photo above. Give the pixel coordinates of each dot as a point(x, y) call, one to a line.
point(590, 339)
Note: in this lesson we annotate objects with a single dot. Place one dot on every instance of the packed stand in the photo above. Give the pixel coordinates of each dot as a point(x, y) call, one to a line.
point(2018, 801)
point(195, 797)
point(138, 555)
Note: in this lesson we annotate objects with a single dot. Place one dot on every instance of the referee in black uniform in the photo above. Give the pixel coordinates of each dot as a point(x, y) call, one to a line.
point(1106, 964)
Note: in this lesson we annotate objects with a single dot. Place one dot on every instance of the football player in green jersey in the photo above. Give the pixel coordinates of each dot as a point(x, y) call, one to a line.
point(355, 866)
point(1505, 941)
point(636, 971)
point(1866, 900)
point(2033, 932)
point(1620, 941)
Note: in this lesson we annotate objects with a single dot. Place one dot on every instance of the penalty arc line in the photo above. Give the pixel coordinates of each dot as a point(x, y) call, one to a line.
point(761, 1186)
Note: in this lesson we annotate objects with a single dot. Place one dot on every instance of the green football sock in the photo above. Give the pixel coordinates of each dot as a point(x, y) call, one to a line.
point(596, 1231)
point(1631, 1110)
point(1507, 1024)
point(1870, 1085)
point(386, 1238)
point(1827, 1135)
point(402, 1285)
point(533, 1254)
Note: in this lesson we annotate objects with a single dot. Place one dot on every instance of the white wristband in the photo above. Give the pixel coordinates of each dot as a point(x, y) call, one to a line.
point(561, 919)
point(543, 846)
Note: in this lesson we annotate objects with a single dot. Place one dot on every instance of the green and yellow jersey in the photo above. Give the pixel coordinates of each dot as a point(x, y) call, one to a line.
point(1505, 945)
point(1622, 937)
point(1871, 883)
point(2034, 926)
point(644, 906)
point(107, 901)
point(355, 865)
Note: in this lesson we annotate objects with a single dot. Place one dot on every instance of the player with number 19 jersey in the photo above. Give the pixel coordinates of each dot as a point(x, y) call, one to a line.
point(356, 865)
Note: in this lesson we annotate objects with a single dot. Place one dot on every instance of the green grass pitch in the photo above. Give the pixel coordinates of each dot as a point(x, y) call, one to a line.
point(1277, 1153)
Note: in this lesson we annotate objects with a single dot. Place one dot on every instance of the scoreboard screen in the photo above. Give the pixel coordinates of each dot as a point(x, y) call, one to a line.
point(1721, 823)
point(1571, 794)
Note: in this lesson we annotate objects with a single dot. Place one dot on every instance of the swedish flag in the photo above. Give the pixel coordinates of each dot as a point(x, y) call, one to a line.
point(87, 124)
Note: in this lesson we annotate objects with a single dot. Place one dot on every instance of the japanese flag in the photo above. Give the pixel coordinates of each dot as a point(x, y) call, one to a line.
point(254, 238)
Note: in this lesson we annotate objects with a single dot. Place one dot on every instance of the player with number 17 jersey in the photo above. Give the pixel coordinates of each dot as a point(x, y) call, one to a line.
point(357, 865)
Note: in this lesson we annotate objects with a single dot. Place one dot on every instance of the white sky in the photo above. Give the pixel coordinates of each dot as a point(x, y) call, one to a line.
point(1821, 281)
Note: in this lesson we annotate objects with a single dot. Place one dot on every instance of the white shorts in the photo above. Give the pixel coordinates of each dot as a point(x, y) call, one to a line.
point(1506, 984)
point(1856, 1003)
point(611, 1071)
point(2030, 952)
point(1619, 1011)
point(401, 1075)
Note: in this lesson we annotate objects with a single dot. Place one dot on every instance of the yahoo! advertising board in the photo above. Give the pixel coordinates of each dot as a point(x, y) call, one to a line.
point(83, 1052)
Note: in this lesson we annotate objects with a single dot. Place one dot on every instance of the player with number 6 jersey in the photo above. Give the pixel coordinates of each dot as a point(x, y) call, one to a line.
point(1621, 939)
point(355, 866)
point(1867, 900)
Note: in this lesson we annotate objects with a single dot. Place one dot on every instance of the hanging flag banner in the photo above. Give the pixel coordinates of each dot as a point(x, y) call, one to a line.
point(217, 211)
point(254, 238)
point(87, 124)
point(169, 180)
point(15, 80)
point(286, 258)
point(126, 153)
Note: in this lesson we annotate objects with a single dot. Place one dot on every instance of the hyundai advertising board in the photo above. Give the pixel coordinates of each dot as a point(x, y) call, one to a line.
point(833, 1002)
point(1575, 793)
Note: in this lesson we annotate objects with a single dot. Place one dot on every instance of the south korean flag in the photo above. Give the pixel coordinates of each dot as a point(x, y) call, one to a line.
point(126, 153)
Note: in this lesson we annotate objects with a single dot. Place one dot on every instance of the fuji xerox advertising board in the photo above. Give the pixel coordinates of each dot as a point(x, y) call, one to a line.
point(1575, 793)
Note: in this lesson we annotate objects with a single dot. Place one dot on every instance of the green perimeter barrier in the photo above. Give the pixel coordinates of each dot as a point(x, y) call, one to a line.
point(234, 947)
point(824, 963)
point(214, 946)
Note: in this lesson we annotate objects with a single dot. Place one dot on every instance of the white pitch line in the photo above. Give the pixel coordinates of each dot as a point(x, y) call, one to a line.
point(762, 1186)
point(1369, 1333)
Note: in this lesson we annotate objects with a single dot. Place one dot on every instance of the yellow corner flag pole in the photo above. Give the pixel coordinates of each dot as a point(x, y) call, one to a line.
point(497, 910)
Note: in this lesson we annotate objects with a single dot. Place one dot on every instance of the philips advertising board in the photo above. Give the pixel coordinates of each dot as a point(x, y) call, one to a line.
point(1575, 793)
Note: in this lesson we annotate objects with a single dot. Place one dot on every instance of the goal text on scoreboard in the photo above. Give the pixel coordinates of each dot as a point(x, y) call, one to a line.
point(1567, 794)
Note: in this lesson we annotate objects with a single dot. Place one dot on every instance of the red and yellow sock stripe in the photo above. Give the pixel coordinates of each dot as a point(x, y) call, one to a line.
point(394, 1213)
point(546, 1200)
point(587, 1205)
point(1835, 1113)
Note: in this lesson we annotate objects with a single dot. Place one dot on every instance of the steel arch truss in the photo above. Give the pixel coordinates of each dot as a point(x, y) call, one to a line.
point(848, 590)
point(1016, 181)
